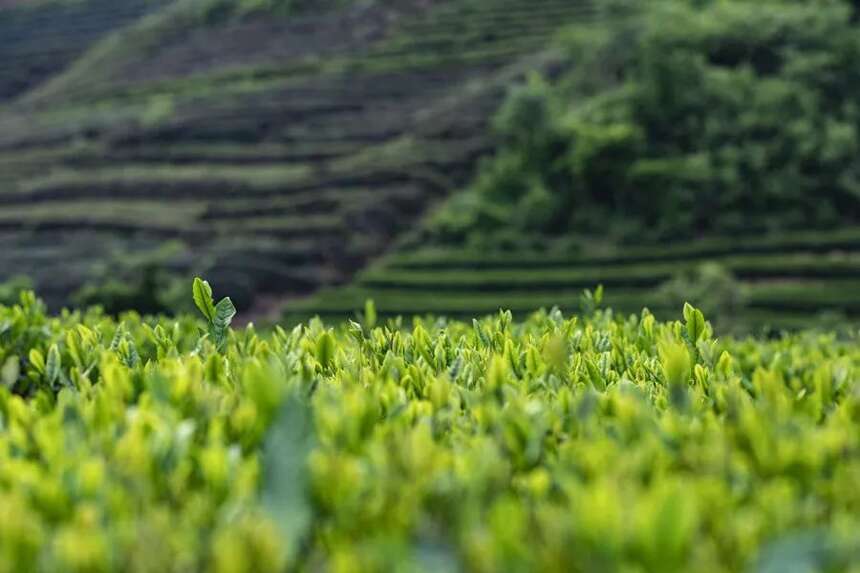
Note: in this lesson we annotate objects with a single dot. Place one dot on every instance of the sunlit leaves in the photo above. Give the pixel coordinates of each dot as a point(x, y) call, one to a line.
point(695, 323)
point(53, 365)
point(10, 371)
point(325, 350)
point(555, 443)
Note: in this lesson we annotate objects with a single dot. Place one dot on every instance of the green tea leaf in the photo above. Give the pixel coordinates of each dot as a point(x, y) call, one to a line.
point(202, 293)
point(37, 360)
point(325, 349)
point(53, 367)
point(369, 314)
point(695, 322)
point(677, 365)
point(10, 371)
point(223, 317)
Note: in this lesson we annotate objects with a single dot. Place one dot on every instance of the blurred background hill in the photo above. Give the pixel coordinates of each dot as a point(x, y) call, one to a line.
point(438, 156)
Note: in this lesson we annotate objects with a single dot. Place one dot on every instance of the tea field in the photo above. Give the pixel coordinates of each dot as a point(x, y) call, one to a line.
point(693, 152)
point(40, 39)
point(397, 188)
point(593, 442)
point(276, 149)
point(782, 280)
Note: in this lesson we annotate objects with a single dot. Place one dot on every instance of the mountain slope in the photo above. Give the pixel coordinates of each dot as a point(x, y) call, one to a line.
point(41, 38)
point(711, 161)
point(277, 170)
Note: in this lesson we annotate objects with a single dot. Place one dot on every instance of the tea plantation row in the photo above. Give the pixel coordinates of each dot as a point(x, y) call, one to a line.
point(782, 280)
point(598, 442)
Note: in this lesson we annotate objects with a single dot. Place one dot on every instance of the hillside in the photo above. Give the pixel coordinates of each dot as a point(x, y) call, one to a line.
point(714, 160)
point(41, 38)
point(776, 281)
point(277, 149)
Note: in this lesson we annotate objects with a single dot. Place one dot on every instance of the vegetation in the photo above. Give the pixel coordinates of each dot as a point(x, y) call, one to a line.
point(739, 117)
point(710, 286)
point(41, 37)
point(709, 160)
point(281, 164)
point(774, 281)
point(283, 153)
point(141, 283)
point(595, 442)
point(695, 155)
point(10, 291)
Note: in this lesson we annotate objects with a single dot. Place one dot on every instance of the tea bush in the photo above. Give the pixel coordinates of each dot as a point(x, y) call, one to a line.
point(136, 281)
point(10, 290)
point(710, 286)
point(588, 443)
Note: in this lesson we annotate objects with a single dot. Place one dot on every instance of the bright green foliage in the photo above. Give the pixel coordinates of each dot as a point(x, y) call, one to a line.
point(218, 316)
point(590, 443)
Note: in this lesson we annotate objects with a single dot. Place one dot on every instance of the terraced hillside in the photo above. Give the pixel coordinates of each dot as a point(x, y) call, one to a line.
point(279, 168)
point(787, 280)
point(670, 163)
point(39, 39)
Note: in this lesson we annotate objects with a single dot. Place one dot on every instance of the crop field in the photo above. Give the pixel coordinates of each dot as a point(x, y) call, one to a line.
point(595, 442)
point(41, 39)
point(499, 286)
point(318, 151)
point(786, 280)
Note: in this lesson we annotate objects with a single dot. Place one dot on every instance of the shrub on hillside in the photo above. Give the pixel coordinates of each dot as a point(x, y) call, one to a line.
point(710, 287)
point(683, 119)
point(141, 282)
point(10, 290)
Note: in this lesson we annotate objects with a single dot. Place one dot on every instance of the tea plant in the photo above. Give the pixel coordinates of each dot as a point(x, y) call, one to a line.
point(589, 443)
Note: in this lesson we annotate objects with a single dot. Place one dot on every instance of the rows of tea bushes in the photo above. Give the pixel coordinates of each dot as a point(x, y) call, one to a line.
point(596, 442)
point(780, 280)
point(41, 38)
point(282, 150)
point(695, 151)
